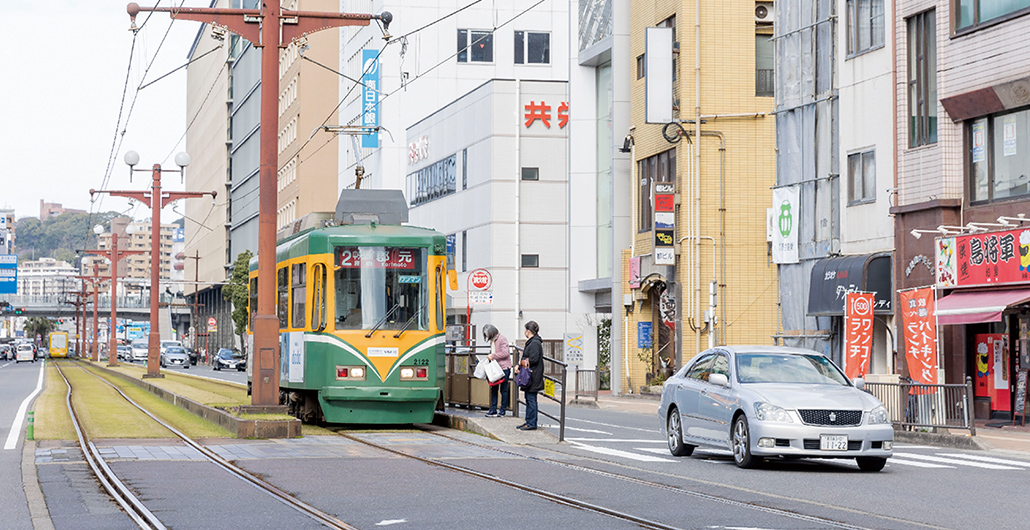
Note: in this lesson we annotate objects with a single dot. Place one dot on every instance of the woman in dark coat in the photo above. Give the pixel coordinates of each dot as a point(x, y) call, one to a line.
point(532, 358)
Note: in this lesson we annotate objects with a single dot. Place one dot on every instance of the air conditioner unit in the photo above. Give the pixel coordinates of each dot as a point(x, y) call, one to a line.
point(764, 12)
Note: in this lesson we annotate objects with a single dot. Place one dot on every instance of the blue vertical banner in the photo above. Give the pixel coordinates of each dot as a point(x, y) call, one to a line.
point(644, 339)
point(370, 96)
point(8, 274)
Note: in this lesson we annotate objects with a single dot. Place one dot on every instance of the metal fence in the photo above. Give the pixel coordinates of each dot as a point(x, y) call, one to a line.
point(914, 406)
point(588, 383)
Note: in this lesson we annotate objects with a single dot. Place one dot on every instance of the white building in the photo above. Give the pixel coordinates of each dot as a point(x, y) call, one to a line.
point(46, 277)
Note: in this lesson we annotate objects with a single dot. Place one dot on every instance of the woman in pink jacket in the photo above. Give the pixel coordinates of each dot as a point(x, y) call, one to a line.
point(498, 352)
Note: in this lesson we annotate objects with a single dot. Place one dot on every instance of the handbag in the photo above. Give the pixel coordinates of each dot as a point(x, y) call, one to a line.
point(494, 372)
point(523, 378)
point(480, 371)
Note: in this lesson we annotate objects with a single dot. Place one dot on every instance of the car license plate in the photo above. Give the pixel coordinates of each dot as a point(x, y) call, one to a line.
point(833, 443)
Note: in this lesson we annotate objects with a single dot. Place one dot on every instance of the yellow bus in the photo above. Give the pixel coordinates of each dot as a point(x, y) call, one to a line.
point(59, 344)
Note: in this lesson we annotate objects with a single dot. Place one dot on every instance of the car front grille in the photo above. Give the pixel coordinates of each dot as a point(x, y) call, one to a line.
point(830, 417)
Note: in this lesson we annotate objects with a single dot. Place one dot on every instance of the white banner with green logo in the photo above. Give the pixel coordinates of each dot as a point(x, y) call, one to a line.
point(785, 224)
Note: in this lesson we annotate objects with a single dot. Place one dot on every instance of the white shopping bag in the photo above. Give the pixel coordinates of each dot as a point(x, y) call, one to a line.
point(480, 371)
point(494, 372)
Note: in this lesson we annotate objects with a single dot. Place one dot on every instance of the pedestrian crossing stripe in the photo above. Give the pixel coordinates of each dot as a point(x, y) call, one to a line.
point(960, 462)
point(986, 459)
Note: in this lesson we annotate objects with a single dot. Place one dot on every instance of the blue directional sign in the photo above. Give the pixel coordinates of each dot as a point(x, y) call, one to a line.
point(370, 96)
point(644, 335)
point(8, 274)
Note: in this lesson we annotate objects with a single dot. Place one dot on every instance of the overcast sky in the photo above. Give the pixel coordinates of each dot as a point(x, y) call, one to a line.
point(64, 69)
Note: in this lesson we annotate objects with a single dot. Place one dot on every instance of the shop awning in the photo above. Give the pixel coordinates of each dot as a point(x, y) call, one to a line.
point(832, 278)
point(972, 307)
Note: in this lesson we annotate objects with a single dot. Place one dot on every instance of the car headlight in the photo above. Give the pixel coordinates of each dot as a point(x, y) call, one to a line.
point(879, 416)
point(770, 412)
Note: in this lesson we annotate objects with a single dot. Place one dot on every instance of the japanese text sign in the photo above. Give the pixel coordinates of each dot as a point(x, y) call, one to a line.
point(858, 333)
point(920, 331)
point(542, 112)
point(983, 259)
point(378, 258)
point(370, 96)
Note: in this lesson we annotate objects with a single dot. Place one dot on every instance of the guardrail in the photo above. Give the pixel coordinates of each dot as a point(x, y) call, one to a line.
point(913, 405)
point(588, 383)
point(461, 387)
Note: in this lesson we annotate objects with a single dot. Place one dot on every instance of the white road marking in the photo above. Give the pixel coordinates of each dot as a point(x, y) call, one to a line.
point(654, 450)
point(895, 460)
point(626, 440)
point(986, 459)
point(952, 461)
point(12, 437)
point(388, 522)
point(621, 454)
point(567, 428)
point(611, 425)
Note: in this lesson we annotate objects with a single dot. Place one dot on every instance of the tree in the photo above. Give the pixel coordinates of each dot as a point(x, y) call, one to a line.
point(237, 293)
point(39, 326)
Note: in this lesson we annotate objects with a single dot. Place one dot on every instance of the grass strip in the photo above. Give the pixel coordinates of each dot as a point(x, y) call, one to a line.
point(200, 390)
point(181, 419)
point(52, 420)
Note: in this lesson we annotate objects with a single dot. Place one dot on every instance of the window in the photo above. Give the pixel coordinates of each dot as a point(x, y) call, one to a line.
point(999, 156)
point(530, 173)
point(253, 301)
point(475, 46)
point(862, 177)
point(299, 283)
point(464, 250)
point(641, 66)
point(532, 48)
point(318, 297)
point(865, 25)
point(531, 260)
point(384, 286)
point(922, 79)
point(699, 370)
point(283, 281)
point(657, 168)
point(971, 13)
point(765, 51)
point(464, 169)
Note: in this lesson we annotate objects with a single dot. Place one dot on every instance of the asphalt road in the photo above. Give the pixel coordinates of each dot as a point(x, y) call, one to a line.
point(921, 485)
point(17, 382)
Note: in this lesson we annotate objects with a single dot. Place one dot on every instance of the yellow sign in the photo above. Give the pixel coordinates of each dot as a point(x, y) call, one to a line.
point(548, 387)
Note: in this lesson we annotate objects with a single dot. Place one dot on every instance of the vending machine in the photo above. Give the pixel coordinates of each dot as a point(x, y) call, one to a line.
point(992, 370)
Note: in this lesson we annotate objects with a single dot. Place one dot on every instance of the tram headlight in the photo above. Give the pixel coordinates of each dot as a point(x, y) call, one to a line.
point(357, 372)
point(414, 373)
point(407, 373)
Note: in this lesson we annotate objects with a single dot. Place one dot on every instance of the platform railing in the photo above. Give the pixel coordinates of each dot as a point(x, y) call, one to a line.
point(916, 406)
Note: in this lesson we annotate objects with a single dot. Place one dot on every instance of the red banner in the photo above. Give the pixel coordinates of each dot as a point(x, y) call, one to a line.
point(984, 259)
point(858, 333)
point(920, 323)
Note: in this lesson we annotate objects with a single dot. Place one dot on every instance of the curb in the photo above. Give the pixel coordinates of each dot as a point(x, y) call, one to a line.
point(264, 429)
point(38, 510)
point(956, 441)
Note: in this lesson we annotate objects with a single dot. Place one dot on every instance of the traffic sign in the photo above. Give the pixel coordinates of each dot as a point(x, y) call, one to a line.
point(480, 279)
point(212, 325)
point(481, 297)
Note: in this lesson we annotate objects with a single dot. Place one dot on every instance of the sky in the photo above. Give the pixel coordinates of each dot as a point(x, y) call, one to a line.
point(64, 70)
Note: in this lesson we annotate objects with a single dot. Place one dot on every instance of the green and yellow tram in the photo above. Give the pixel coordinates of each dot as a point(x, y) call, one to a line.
point(361, 316)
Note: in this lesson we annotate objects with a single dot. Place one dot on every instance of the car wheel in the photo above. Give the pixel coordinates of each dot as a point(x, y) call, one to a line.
point(871, 463)
point(741, 438)
point(676, 445)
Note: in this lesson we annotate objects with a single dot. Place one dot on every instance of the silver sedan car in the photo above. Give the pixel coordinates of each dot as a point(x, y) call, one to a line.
point(769, 401)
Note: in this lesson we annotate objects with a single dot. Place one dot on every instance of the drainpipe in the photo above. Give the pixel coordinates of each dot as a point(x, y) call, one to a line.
point(518, 204)
point(695, 196)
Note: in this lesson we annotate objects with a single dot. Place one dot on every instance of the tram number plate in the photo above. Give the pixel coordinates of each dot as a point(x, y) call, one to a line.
point(833, 443)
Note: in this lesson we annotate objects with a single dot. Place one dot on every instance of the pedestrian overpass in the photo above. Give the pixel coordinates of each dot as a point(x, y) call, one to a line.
point(62, 306)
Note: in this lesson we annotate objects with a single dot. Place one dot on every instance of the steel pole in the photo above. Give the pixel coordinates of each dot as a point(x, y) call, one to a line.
point(265, 388)
point(112, 346)
point(154, 345)
point(96, 330)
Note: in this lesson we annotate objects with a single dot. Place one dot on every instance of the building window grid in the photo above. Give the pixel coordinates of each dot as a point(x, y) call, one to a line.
point(288, 96)
point(865, 25)
point(532, 47)
point(475, 46)
point(922, 79)
point(972, 13)
point(998, 155)
point(287, 57)
point(288, 134)
point(288, 173)
point(862, 177)
point(287, 214)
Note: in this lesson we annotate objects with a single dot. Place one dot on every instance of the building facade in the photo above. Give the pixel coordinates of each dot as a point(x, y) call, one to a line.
point(46, 277)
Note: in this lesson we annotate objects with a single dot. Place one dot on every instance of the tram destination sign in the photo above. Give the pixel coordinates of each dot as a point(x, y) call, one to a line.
point(376, 258)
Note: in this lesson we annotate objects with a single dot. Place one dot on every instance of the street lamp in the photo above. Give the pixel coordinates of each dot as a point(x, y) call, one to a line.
point(155, 199)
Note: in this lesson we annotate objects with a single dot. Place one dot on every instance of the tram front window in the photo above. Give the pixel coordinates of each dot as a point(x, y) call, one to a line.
point(381, 285)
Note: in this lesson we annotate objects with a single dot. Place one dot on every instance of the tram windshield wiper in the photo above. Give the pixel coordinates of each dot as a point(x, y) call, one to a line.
point(382, 320)
point(408, 323)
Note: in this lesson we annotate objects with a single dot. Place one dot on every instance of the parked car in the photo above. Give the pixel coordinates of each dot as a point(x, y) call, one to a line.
point(768, 401)
point(25, 353)
point(175, 356)
point(229, 358)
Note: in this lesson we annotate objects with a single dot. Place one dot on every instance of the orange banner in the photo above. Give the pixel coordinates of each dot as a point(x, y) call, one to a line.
point(917, 316)
point(858, 333)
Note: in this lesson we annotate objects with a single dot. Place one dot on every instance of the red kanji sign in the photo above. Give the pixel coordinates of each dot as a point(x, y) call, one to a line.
point(858, 333)
point(542, 112)
point(918, 318)
point(665, 203)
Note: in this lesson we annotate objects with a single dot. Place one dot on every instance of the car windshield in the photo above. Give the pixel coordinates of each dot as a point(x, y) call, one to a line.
point(780, 368)
point(176, 349)
point(226, 354)
point(373, 283)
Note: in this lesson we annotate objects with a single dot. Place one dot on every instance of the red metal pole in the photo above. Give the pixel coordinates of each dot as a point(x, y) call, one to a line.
point(154, 346)
point(96, 330)
point(112, 345)
point(265, 387)
point(82, 316)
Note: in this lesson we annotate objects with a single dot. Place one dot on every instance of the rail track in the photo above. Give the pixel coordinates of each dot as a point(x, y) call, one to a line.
point(135, 508)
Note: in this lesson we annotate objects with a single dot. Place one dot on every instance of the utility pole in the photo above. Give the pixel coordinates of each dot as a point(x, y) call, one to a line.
point(155, 199)
point(94, 282)
point(114, 255)
point(196, 283)
point(270, 28)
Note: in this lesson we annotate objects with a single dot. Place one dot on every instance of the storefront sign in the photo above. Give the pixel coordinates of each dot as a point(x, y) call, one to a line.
point(785, 231)
point(370, 96)
point(418, 150)
point(573, 348)
point(433, 181)
point(858, 333)
point(665, 224)
point(542, 112)
point(983, 259)
point(644, 335)
point(634, 273)
point(920, 323)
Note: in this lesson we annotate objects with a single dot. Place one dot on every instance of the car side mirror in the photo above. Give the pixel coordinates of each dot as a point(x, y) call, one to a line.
point(718, 379)
point(859, 383)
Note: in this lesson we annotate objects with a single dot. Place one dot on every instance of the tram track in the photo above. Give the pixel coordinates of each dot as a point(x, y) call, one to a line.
point(135, 508)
